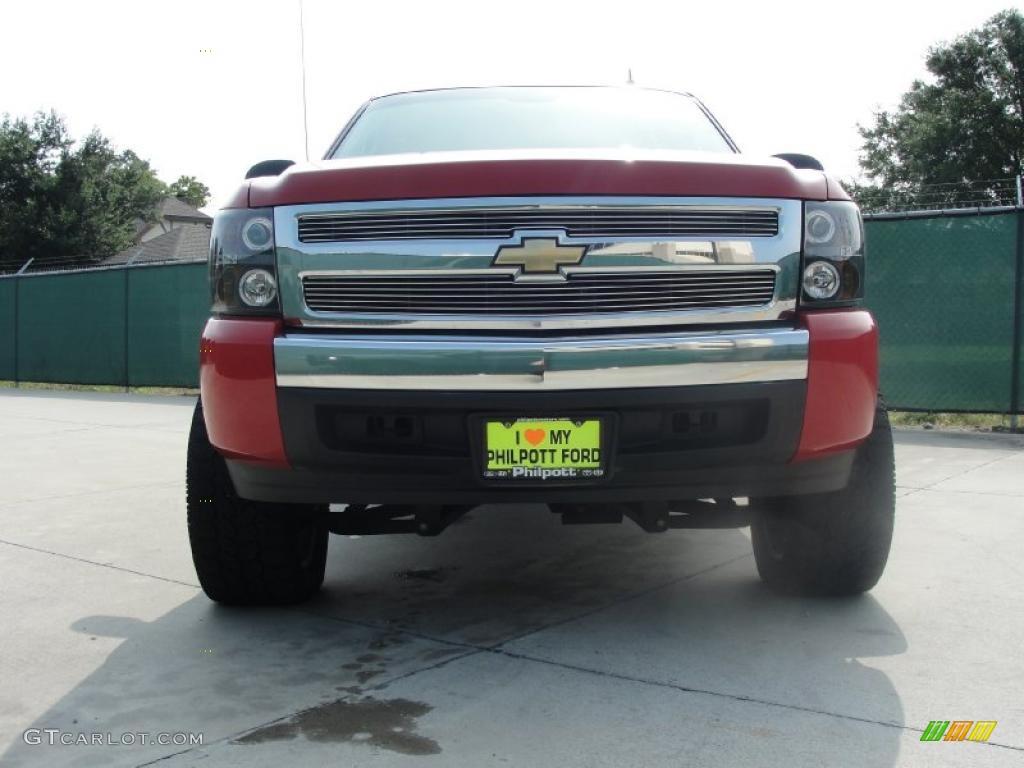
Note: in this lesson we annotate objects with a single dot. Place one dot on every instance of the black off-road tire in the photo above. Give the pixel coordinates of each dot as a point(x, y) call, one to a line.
point(247, 552)
point(832, 544)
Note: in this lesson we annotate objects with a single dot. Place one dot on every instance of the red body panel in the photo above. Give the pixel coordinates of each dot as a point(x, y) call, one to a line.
point(238, 386)
point(836, 190)
point(239, 198)
point(842, 381)
point(495, 174)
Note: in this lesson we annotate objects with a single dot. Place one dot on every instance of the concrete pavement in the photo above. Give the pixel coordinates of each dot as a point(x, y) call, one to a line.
point(509, 640)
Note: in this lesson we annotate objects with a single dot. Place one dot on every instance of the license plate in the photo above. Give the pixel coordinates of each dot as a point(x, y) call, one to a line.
point(543, 449)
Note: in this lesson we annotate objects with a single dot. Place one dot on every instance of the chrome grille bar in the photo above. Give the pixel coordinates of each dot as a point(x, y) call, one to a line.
point(501, 223)
point(500, 293)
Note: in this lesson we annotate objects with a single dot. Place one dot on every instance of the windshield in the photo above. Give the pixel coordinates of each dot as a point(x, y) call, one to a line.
point(531, 118)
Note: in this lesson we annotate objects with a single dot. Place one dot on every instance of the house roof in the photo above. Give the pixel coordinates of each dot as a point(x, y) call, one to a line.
point(187, 242)
point(173, 208)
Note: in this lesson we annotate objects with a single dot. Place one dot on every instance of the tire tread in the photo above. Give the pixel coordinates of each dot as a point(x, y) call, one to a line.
point(833, 544)
point(246, 552)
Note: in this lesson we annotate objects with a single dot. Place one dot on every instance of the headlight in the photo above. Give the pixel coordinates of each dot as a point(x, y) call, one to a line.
point(243, 273)
point(833, 254)
point(258, 234)
point(257, 288)
point(820, 226)
point(821, 280)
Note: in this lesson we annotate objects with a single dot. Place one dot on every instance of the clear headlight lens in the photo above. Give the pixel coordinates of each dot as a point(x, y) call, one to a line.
point(257, 288)
point(821, 280)
point(258, 234)
point(820, 226)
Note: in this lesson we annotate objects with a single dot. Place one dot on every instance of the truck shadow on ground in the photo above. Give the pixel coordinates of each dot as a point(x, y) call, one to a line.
point(682, 609)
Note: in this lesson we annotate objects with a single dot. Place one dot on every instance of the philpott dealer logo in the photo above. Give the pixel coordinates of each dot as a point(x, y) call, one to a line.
point(958, 730)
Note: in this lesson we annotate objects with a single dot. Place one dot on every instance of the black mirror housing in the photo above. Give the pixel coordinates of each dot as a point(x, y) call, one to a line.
point(805, 162)
point(268, 168)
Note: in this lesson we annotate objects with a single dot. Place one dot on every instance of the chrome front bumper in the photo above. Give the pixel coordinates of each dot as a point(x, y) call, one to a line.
point(469, 363)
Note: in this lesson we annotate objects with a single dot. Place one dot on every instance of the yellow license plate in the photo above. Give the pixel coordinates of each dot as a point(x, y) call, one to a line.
point(543, 449)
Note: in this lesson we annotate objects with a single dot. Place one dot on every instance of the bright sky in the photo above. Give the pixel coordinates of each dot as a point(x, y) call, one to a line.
point(209, 87)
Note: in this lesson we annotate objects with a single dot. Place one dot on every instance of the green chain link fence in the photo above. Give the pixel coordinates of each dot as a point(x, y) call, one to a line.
point(130, 326)
point(946, 289)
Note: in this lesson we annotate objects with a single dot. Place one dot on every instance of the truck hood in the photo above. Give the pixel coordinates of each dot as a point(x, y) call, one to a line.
point(536, 173)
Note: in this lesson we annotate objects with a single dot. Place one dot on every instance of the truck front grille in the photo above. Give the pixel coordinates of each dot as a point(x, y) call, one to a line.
point(583, 292)
point(502, 223)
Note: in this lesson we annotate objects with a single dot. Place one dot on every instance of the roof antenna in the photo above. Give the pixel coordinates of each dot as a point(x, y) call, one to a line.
point(629, 76)
point(302, 49)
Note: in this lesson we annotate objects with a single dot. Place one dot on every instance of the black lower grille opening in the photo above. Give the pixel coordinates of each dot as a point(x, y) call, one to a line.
point(392, 432)
point(713, 425)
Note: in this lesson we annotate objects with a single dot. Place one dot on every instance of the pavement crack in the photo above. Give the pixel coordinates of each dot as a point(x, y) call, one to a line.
point(167, 757)
point(723, 695)
point(619, 601)
point(914, 489)
point(967, 471)
point(387, 628)
point(527, 633)
point(96, 563)
point(476, 650)
point(498, 649)
point(79, 494)
point(473, 651)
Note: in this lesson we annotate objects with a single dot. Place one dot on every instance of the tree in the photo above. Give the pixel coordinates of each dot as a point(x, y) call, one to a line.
point(190, 190)
point(68, 202)
point(967, 124)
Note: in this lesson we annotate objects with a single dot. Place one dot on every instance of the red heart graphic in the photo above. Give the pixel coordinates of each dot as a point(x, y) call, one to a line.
point(534, 436)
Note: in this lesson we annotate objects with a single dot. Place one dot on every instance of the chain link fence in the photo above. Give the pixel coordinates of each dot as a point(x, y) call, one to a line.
point(946, 291)
point(980, 194)
point(124, 325)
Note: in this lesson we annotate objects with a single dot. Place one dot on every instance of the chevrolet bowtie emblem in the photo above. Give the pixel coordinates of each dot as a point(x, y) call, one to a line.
point(539, 255)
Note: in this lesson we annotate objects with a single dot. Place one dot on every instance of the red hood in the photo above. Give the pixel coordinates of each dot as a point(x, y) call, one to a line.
point(510, 174)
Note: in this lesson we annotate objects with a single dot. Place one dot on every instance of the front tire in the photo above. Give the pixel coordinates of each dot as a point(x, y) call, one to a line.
point(835, 543)
point(247, 552)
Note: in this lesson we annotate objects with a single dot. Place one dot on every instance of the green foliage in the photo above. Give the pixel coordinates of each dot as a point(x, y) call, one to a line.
point(981, 422)
point(62, 201)
point(190, 190)
point(870, 197)
point(967, 123)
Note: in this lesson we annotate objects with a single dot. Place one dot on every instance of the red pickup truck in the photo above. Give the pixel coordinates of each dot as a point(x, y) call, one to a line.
point(584, 297)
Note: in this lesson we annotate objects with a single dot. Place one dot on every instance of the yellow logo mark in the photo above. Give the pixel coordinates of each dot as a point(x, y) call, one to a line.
point(539, 255)
point(982, 730)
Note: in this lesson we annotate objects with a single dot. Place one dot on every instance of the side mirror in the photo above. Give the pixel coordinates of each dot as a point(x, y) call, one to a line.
point(805, 162)
point(268, 168)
